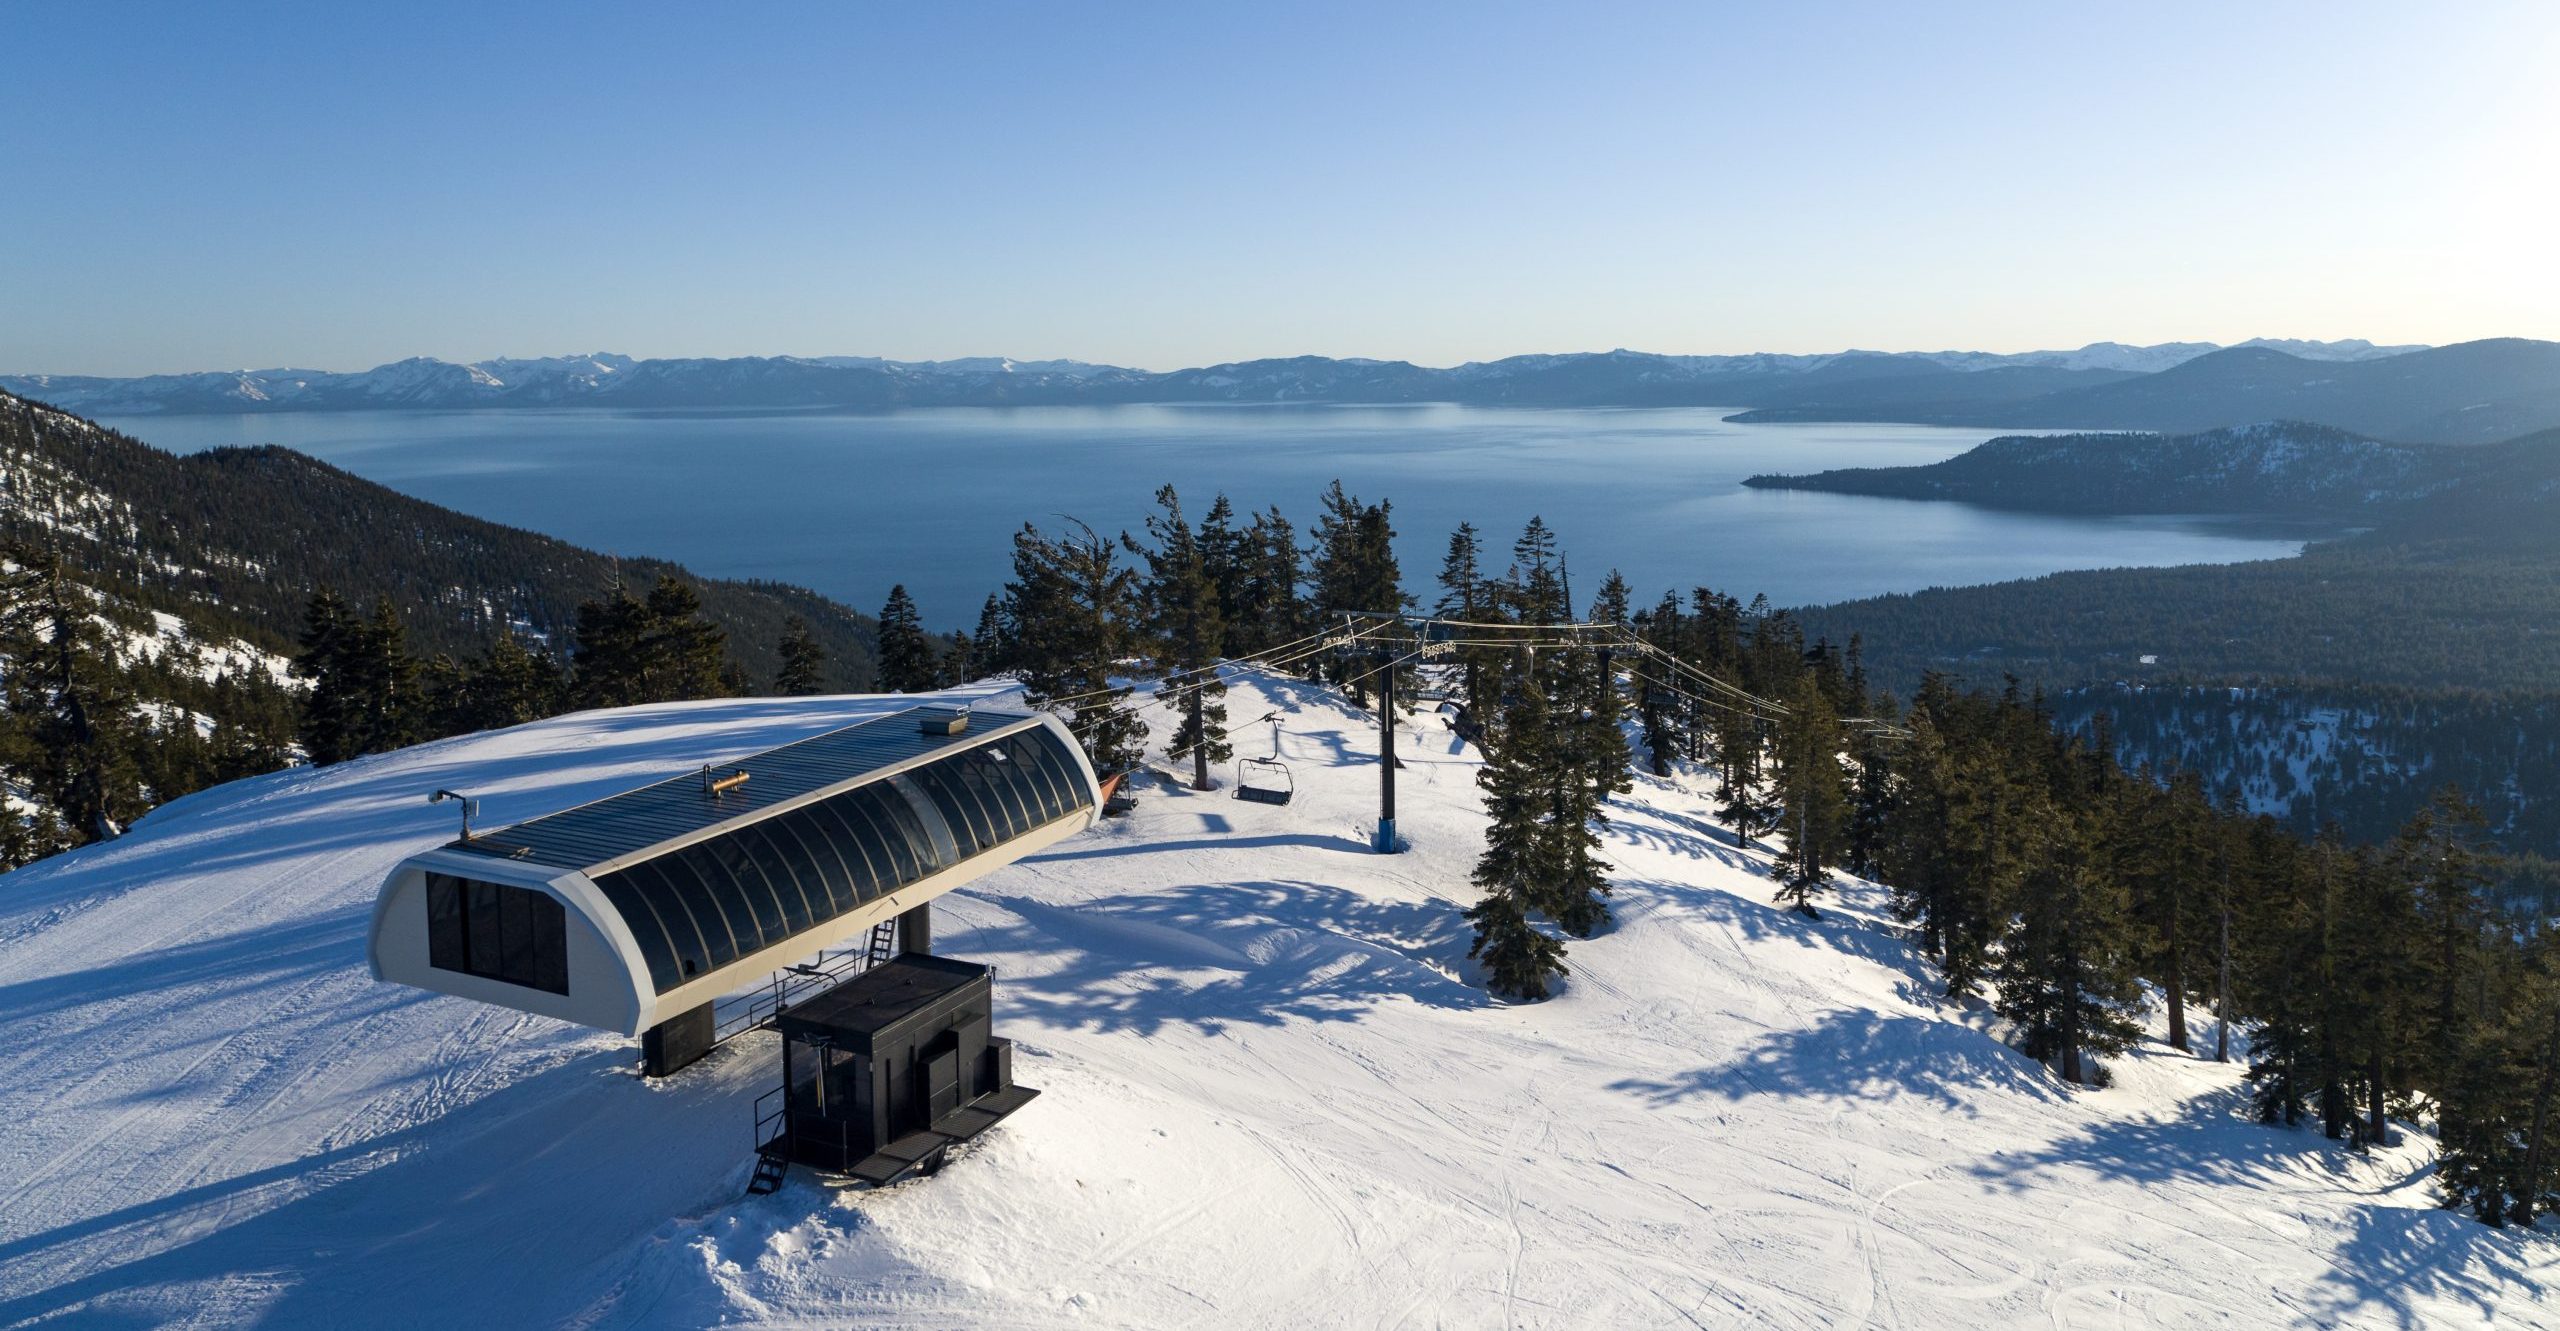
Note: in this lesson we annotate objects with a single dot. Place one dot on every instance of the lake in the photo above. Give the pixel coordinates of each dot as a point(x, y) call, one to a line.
point(850, 503)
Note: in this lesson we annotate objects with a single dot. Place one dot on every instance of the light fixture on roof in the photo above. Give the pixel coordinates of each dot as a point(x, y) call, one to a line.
point(470, 807)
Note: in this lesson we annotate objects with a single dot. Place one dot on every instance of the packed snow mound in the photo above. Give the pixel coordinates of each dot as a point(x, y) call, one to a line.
point(1274, 1095)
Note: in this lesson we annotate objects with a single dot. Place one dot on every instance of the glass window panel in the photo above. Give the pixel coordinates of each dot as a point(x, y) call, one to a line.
point(970, 780)
point(817, 874)
point(967, 819)
point(444, 922)
point(648, 928)
point(1032, 768)
point(1062, 767)
point(761, 853)
point(550, 944)
point(692, 921)
point(854, 839)
point(993, 765)
point(481, 922)
point(894, 827)
point(728, 929)
point(515, 936)
point(741, 852)
point(904, 806)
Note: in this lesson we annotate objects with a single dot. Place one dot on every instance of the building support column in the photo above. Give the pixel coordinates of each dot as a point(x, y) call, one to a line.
point(677, 1042)
point(915, 931)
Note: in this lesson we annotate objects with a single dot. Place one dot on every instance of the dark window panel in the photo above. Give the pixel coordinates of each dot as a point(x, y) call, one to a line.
point(840, 825)
point(444, 922)
point(515, 936)
point(550, 945)
point(481, 922)
point(968, 821)
point(934, 838)
point(649, 929)
point(685, 911)
point(793, 875)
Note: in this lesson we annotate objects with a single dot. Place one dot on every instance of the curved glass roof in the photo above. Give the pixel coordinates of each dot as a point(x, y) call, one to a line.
point(761, 874)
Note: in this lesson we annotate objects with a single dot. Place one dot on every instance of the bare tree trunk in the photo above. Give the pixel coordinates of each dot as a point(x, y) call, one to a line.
point(2530, 1191)
point(2377, 1124)
point(1199, 739)
point(2176, 983)
point(2222, 985)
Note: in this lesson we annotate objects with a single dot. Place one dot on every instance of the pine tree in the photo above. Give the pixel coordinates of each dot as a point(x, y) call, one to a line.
point(1741, 748)
point(2158, 856)
point(611, 657)
point(906, 654)
point(1873, 789)
point(1270, 612)
point(1226, 557)
point(1917, 855)
point(1355, 571)
point(1189, 630)
point(686, 652)
point(75, 741)
point(631, 651)
point(1659, 707)
point(1612, 606)
point(365, 695)
point(2440, 856)
point(2533, 1026)
point(1536, 591)
point(2066, 970)
point(1073, 614)
point(991, 645)
point(2285, 970)
point(328, 711)
point(1518, 867)
point(1466, 597)
point(803, 672)
point(1588, 765)
point(1813, 795)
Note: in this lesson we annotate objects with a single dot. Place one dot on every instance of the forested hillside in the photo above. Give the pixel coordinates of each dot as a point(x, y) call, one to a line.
point(167, 623)
point(2278, 467)
point(2365, 759)
point(2420, 614)
point(235, 540)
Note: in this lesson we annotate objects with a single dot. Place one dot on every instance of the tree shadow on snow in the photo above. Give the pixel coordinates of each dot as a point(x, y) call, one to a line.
point(2395, 1259)
point(420, 1225)
point(1215, 955)
point(1855, 1054)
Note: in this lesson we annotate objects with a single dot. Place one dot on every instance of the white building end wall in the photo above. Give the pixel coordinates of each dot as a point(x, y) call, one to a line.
point(605, 974)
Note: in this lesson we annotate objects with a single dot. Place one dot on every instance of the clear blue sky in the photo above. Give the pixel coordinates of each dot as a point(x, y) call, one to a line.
point(202, 186)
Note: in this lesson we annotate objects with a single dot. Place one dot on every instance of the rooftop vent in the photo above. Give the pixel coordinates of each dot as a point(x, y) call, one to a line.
point(942, 721)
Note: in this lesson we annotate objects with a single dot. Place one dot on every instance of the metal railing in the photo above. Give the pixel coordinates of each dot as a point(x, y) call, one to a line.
point(739, 1013)
point(772, 1120)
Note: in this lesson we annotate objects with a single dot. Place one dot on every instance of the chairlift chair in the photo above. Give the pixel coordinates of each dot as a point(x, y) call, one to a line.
point(1117, 798)
point(1266, 780)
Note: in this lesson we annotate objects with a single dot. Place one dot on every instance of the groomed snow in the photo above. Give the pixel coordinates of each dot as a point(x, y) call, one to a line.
point(1273, 1097)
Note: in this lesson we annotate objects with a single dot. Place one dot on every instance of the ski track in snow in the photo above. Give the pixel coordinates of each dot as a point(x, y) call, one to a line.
point(1274, 1097)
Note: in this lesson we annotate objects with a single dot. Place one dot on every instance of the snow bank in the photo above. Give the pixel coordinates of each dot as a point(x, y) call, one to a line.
point(1273, 1097)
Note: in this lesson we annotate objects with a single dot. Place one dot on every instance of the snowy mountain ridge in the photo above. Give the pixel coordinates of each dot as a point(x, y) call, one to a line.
point(1274, 1095)
point(605, 378)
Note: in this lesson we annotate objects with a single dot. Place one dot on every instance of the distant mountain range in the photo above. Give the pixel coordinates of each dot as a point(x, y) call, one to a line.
point(2472, 392)
point(2499, 493)
point(1614, 378)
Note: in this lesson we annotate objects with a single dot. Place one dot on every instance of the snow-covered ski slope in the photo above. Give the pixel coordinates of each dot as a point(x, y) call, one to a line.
point(1274, 1097)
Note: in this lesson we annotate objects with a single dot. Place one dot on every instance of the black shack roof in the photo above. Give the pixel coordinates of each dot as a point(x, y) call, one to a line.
point(610, 832)
point(878, 999)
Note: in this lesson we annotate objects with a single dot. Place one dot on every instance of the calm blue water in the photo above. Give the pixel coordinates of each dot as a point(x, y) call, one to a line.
point(849, 504)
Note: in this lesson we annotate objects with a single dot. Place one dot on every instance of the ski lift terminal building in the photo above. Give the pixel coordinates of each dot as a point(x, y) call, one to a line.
point(635, 913)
